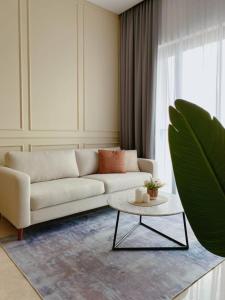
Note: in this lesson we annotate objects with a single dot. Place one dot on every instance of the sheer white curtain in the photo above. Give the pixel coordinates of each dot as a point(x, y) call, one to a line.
point(191, 66)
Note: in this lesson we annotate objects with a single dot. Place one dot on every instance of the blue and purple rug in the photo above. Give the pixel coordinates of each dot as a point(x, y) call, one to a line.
point(71, 258)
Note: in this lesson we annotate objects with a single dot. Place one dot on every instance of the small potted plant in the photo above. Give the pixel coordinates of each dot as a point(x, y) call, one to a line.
point(153, 186)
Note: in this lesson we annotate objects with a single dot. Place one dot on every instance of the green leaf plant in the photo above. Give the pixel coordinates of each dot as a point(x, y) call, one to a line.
point(197, 147)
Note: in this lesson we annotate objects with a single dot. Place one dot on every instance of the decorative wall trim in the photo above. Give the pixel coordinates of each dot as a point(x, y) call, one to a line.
point(11, 147)
point(84, 77)
point(20, 73)
point(29, 77)
point(5, 134)
point(20, 66)
point(101, 145)
point(28, 67)
point(52, 147)
point(27, 138)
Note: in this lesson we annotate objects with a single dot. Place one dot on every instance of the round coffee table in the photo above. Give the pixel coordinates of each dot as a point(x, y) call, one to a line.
point(171, 207)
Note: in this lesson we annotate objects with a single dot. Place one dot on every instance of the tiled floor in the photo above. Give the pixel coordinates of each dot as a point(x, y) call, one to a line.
point(14, 286)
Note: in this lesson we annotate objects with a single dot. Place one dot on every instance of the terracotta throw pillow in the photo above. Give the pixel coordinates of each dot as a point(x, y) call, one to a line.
point(111, 161)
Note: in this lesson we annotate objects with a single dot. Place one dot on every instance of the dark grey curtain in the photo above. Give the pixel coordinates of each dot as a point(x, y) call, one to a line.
point(139, 43)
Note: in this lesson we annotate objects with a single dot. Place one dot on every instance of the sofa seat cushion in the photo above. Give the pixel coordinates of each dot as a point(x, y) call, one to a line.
point(50, 193)
point(121, 181)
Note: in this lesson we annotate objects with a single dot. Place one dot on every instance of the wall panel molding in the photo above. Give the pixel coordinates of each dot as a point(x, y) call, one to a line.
point(101, 145)
point(48, 44)
point(11, 107)
point(53, 48)
point(20, 66)
point(101, 100)
point(52, 147)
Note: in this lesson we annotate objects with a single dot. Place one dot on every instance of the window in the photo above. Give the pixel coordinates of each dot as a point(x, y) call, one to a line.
point(192, 68)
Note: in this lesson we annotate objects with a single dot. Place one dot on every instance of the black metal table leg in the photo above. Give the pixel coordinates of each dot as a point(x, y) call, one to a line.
point(116, 228)
point(180, 246)
point(185, 230)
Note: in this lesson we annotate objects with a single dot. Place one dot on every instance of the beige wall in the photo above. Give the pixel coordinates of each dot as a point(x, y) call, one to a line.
point(58, 75)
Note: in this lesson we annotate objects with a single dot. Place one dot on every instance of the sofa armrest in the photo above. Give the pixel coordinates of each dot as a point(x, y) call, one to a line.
point(149, 166)
point(15, 197)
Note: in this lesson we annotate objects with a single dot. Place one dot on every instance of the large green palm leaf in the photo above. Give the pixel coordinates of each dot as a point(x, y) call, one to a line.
point(197, 146)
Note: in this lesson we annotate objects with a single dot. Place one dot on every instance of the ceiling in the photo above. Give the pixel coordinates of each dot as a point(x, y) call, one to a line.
point(116, 6)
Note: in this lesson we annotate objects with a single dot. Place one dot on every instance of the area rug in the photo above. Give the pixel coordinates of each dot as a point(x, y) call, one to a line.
point(71, 258)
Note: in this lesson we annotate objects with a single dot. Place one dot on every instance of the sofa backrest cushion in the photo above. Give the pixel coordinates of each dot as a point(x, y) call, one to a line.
point(44, 165)
point(131, 161)
point(87, 161)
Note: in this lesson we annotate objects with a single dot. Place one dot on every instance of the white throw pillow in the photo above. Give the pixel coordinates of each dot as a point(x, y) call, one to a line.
point(131, 161)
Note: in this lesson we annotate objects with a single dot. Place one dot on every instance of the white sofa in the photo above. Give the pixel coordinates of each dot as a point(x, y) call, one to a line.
point(41, 186)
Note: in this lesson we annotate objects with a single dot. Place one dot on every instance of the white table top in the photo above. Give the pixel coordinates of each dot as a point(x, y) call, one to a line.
point(171, 207)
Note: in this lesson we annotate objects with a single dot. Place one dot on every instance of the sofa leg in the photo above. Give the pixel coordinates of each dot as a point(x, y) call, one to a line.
point(20, 234)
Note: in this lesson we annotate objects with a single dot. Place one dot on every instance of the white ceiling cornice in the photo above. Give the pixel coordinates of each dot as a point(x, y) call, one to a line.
point(116, 6)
